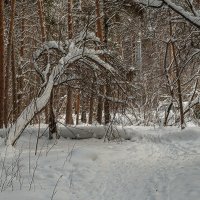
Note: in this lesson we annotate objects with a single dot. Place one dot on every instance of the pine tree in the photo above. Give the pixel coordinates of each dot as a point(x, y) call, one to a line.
point(1, 62)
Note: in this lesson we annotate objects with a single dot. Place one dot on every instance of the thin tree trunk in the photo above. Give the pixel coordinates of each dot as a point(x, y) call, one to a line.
point(108, 89)
point(40, 5)
point(20, 79)
point(52, 119)
point(179, 90)
point(99, 34)
point(100, 105)
point(91, 111)
point(107, 103)
point(69, 119)
point(42, 20)
point(83, 109)
point(1, 63)
point(9, 62)
point(69, 106)
point(77, 108)
point(178, 80)
point(14, 90)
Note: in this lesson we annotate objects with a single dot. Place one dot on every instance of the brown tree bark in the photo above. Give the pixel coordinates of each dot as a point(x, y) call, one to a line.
point(91, 109)
point(69, 106)
point(20, 79)
point(77, 108)
point(99, 34)
point(52, 118)
point(40, 5)
point(108, 81)
point(2, 73)
point(42, 20)
point(14, 82)
point(9, 61)
point(177, 71)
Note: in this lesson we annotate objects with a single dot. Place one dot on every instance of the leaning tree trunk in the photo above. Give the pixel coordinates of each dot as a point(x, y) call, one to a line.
point(51, 78)
point(1, 62)
point(29, 112)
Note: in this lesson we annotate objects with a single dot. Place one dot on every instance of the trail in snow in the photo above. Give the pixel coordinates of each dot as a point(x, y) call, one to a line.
point(160, 164)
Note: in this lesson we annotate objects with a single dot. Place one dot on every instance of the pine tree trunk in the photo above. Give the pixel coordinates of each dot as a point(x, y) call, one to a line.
point(77, 108)
point(100, 105)
point(14, 90)
point(1, 62)
point(83, 110)
point(20, 79)
point(69, 106)
point(69, 119)
point(9, 61)
point(40, 5)
point(108, 92)
point(91, 111)
point(99, 34)
point(52, 118)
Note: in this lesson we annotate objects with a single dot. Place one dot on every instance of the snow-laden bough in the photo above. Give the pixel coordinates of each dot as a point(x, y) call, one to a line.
point(72, 51)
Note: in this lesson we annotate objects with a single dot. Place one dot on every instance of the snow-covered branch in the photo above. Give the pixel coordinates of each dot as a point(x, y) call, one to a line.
point(193, 17)
point(74, 52)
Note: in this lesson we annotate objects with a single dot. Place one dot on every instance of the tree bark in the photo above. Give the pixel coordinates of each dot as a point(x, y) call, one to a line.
point(52, 118)
point(69, 105)
point(9, 61)
point(2, 71)
point(99, 34)
point(77, 107)
point(20, 78)
point(14, 89)
point(107, 88)
point(91, 109)
point(44, 37)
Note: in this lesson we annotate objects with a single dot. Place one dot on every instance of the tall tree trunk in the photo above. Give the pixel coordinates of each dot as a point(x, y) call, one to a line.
point(100, 104)
point(179, 89)
point(77, 108)
point(9, 62)
point(108, 81)
point(91, 111)
point(107, 102)
point(14, 89)
point(69, 119)
point(40, 5)
point(69, 106)
point(83, 109)
point(1, 62)
point(99, 34)
point(42, 20)
point(177, 70)
point(20, 79)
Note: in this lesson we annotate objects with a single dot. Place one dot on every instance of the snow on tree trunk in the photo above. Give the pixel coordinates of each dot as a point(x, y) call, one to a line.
point(73, 54)
point(29, 112)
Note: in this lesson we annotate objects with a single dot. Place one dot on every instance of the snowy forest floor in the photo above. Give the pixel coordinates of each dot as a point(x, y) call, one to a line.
point(155, 164)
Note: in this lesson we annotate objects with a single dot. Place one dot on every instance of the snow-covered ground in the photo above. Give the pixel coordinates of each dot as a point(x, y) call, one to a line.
point(154, 164)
